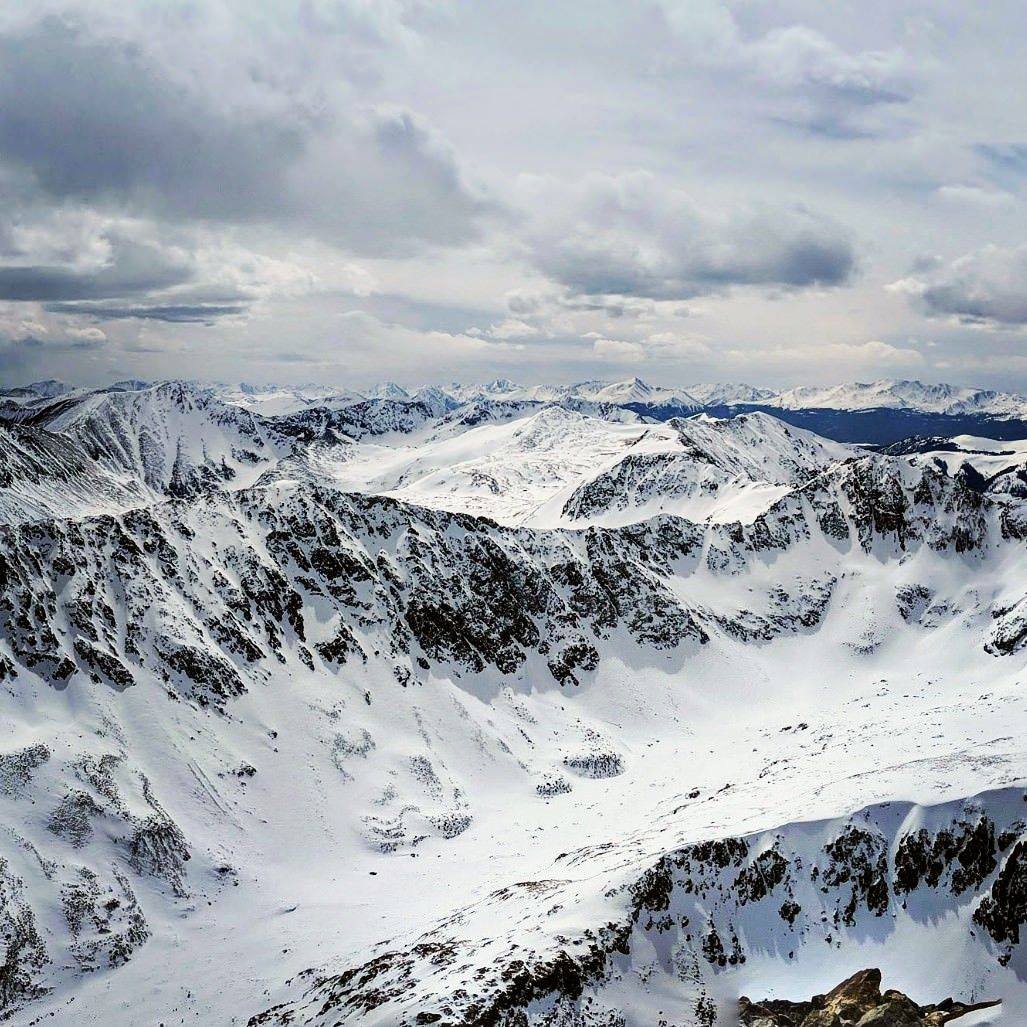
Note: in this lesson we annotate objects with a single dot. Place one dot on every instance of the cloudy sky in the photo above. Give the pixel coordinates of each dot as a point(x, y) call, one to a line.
point(344, 191)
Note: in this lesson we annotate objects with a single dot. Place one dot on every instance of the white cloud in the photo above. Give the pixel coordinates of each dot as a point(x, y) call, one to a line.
point(511, 328)
point(93, 334)
point(789, 57)
point(840, 358)
point(618, 350)
point(975, 196)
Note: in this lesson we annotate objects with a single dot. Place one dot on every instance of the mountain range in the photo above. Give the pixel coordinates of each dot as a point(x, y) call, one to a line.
point(556, 706)
point(902, 398)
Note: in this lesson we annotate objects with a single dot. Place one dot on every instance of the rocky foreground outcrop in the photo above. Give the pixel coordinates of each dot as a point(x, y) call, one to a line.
point(857, 1001)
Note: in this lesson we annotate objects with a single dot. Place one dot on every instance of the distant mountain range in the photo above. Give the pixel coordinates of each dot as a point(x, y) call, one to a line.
point(879, 412)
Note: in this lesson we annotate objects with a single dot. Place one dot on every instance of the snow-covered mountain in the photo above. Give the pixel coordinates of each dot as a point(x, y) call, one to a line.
point(44, 474)
point(729, 394)
point(47, 389)
point(658, 402)
point(887, 393)
point(500, 710)
point(633, 393)
point(274, 401)
point(712, 470)
point(387, 390)
point(172, 437)
point(884, 394)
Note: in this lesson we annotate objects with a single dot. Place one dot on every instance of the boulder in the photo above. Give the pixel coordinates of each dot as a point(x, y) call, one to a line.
point(856, 1002)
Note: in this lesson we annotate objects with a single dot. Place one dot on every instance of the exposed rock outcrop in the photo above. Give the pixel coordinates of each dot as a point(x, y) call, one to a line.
point(856, 1002)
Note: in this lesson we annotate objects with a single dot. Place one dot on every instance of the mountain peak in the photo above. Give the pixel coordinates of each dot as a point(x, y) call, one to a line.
point(387, 390)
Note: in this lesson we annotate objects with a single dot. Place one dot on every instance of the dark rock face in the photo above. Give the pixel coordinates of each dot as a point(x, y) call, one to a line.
point(856, 1002)
point(966, 855)
point(420, 585)
point(858, 859)
point(24, 952)
point(1004, 909)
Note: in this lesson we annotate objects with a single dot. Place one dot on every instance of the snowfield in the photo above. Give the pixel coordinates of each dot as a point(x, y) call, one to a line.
point(501, 706)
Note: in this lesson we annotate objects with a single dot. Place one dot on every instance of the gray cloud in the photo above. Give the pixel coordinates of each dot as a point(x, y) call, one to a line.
point(1010, 157)
point(487, 183)
point(93, 119)
point(100, 120)
point(987, 286)
point(170, 313)
point(1005, 164)
point(160, 281)
point(633, 236)
point(134, 268)
point(385, 185)
point(31, 351)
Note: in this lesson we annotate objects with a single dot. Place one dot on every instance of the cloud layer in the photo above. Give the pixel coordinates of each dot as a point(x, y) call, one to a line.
point(358, 189)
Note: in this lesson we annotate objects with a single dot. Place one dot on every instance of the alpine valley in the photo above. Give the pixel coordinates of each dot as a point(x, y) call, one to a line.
point(594, 705)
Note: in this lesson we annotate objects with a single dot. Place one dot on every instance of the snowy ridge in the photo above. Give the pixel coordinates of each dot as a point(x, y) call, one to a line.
point(729, 394)
point(907, 395)
point(885, 393)
point(543, 465)
point(44, 475)
point(48, 389)
point(634, 394)
point(173, 438)
point(276, 401)
point(515, 712)
point(729, 907)
point(998, 468)
point(719, 470)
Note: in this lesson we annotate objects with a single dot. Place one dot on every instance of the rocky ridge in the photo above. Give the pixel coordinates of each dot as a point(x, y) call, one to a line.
point(857, 1001)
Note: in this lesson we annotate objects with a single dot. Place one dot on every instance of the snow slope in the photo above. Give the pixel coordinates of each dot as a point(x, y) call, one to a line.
point(44, 475)
point(520, 463)
point(173, 437)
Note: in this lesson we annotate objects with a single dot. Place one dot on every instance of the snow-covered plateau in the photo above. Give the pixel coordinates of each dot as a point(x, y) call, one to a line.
point(549, 706)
